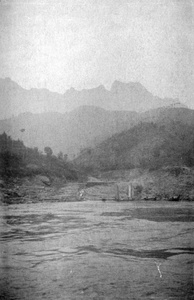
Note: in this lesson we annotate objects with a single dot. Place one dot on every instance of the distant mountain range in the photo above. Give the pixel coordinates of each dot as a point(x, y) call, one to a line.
point(70, 132)
point(131, 96)
point(84, 127)
point(80, 119)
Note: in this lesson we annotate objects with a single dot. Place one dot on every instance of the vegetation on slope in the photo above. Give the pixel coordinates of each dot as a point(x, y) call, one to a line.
point(147, 145)
point(18, 160)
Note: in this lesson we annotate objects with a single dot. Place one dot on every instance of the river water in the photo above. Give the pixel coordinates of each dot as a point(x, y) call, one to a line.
point(96, 250)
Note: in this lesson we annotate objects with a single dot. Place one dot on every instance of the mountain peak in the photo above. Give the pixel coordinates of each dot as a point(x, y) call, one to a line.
point(118, 85)
point(70, 91)
point(7, 81)
point(131, 96)
point(100, 87)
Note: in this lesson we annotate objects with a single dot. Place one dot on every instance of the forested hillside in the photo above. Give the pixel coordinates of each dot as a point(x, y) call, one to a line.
point(17, 160)
point(146, 145)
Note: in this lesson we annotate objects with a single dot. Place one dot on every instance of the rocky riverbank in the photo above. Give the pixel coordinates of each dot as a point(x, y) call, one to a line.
point(169, 184)
point(38, 188)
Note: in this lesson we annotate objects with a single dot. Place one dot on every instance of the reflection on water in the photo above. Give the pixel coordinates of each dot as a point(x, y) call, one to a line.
point(94, 250)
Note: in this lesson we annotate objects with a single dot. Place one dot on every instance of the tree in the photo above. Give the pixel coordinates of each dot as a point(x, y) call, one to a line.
point(65, 157)
point(48, 151)
point(60, 155)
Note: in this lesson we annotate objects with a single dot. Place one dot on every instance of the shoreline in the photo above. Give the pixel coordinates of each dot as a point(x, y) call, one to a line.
point(126, 185)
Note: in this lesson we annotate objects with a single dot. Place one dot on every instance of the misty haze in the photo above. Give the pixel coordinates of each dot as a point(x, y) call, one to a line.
point(96, 149)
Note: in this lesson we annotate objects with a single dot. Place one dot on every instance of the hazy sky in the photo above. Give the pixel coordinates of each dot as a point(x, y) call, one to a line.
point(57, 44)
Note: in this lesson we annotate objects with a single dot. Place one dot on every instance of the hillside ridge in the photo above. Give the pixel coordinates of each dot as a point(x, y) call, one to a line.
point(131, 96)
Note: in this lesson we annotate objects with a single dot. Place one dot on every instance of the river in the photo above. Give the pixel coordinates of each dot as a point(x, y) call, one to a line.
point(96, 250)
